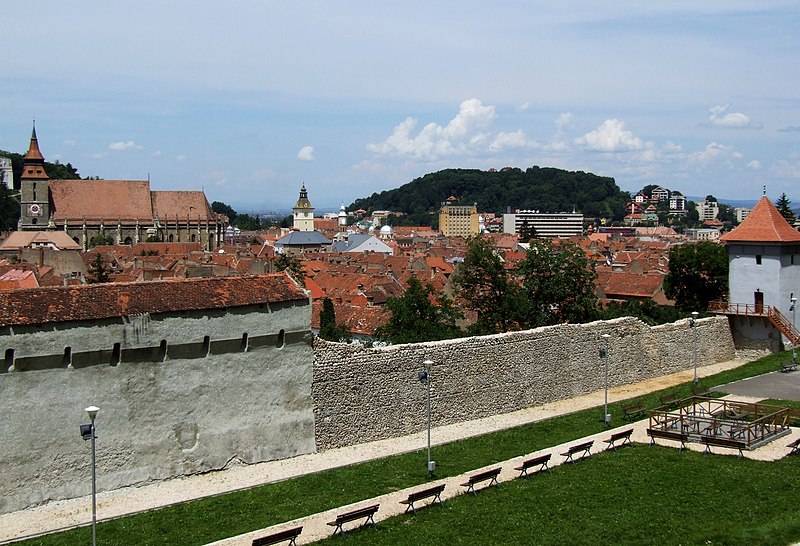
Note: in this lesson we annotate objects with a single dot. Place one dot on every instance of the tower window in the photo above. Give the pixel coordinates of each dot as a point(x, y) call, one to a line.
point(758, 259)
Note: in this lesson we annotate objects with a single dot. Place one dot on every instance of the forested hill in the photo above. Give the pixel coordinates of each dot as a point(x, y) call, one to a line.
point(536, 188)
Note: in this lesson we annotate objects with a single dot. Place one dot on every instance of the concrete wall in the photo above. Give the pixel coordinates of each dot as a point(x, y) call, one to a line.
point(363, 394)
point(158, 419)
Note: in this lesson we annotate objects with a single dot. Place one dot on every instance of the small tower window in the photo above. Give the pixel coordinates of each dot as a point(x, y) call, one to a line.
point(758, 259)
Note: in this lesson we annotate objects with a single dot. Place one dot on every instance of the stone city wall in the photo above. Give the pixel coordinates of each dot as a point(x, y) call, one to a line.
point(365, 394)
point(202, 395)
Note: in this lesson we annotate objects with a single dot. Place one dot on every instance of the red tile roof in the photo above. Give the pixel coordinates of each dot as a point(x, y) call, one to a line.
point(97, 301)
point(764, 224)
point(183, 205)
point(108, 200)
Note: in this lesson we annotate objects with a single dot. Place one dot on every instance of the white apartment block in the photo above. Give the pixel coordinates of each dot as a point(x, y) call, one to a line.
point(707, 210)
point(547, 225)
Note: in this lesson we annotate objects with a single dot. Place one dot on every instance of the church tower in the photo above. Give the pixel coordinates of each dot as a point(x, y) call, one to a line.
point(34, 189)
point(303, 212)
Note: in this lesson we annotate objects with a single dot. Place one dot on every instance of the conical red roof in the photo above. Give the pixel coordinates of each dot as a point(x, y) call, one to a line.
point(764, 224)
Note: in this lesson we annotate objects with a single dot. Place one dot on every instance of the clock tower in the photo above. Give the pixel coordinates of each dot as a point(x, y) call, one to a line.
point(34, 189)
point(303, 212)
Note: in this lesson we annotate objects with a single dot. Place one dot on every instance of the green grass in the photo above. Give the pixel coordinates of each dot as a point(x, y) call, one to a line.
point(638, 495)
point(214, 518)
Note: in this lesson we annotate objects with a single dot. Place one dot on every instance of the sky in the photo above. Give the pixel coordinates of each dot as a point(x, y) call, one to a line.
point(246, 100)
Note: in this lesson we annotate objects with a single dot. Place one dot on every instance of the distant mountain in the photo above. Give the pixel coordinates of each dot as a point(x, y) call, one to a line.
point(536, 188)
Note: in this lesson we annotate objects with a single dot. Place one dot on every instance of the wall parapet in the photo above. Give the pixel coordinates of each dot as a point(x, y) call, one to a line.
point(364, 394)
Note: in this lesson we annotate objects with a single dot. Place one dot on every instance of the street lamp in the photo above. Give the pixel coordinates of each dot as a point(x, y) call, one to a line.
point(89, 432)
point(693, 326)
point(794, 329)
point(604, 356)
point(425, 378)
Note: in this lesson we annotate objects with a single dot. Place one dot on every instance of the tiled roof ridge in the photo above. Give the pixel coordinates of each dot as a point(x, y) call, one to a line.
point(107, 300)
point(764, 224)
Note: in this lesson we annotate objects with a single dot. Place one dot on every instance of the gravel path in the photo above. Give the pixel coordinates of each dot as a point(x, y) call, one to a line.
point(111, 504)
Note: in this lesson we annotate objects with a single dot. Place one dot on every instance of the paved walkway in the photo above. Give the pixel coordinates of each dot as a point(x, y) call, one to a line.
point(65, 514)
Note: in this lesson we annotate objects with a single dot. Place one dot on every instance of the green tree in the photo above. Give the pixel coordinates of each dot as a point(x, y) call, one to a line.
point(292, 264)
point(484, 286)
point(222, 208)
point(698, 274)
point(784, 206)
point(98, 270)
point(101, 239)
point(420, 315)
point(328, 329)
point(559, 283)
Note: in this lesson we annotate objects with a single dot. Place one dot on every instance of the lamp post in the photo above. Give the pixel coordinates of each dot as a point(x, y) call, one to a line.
point(88, 432)
point(794, 328)
point(604, 356)
point(425, 377)
point(693, 326)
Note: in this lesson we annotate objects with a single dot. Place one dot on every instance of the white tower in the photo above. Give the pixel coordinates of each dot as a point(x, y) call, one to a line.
point(6, 173)
point(303, 212)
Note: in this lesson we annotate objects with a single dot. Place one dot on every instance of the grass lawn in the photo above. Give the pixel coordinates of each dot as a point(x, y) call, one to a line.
point(214, 518)
point(638, 495)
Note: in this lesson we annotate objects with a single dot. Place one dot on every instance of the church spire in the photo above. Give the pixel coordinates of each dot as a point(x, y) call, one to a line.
point(34, 160)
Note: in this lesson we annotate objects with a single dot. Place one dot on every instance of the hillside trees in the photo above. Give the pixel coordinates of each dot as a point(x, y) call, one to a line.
point(420, 315)
point(698, 274)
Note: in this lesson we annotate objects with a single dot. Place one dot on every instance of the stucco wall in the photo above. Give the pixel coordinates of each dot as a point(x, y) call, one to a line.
point(157, 420)
point(363, 394)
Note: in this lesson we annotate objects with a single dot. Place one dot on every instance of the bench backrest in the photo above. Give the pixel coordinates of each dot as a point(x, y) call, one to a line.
point(357, 514)
point(278, 537)
point(425, 493)
point(536, 460)
point(484, 475)
point(620, 435)
point(581, 447)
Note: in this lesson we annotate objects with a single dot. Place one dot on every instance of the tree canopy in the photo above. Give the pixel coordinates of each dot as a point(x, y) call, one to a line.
point(420, 315)
point(784, 206)
point(698, 274)
point(328, 329)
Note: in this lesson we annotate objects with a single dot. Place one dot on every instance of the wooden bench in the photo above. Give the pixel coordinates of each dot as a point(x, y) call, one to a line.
point(435, 492)
point(788, 366)
point(280, 536)
point(540, 461)
point(633, 410)
point(354, 515)
point(584, 449)
point(670, 399)
point(624, 435)
point(722, 442)
point(667, 435)
point(795, 446)
point(475, 479)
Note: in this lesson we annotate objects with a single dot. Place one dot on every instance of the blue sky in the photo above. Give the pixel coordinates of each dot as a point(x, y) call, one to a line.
point(247, 99)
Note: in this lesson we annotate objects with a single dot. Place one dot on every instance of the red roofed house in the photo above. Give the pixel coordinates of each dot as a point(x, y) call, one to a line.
point(127, 211)
point(763, 277)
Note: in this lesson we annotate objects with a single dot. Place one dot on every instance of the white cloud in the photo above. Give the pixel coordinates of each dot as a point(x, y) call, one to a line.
point(463, 132)
point(754, 165)
point(505, 141)
point(523, 107)
point(181, 157)
point(719, 116)
point(714, 152)
point(122, 146)
point(157, 153)
point(787, 169)
point(69, 142)
point(306, 153)
point(611, 136)
point(558, 142)
point(98, 155)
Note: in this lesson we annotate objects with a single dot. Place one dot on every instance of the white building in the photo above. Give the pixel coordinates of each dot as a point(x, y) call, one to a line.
point(547, 225)
point(303, 212)
point(741, 213)
point(764, 274)
point(707, 210)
